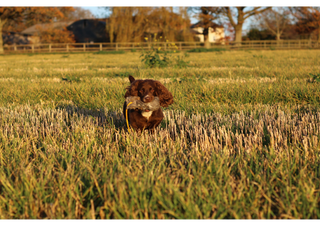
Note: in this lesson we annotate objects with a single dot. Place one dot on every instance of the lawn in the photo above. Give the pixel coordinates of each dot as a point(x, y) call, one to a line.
point(241, 141)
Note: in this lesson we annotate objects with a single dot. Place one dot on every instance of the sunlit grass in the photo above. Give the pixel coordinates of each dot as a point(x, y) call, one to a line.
point(241, 140)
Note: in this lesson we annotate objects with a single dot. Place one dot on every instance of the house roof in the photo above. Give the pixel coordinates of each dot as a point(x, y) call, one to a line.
point(57, 25)
point(13, 33)
point(201, 24)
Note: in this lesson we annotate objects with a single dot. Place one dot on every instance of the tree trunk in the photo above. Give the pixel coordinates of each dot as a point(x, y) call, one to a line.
point(205, 33)
point(238, 30)
point(207, 43)
point(1, 40)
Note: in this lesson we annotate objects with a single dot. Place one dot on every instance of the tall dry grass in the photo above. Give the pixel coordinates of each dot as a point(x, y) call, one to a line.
point(78, 163)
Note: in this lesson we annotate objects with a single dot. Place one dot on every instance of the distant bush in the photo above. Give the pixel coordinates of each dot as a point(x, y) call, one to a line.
point(256, 34)
point(200, 50)
point(156, 57)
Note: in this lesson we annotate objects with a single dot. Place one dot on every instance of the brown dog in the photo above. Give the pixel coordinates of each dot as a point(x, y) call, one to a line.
point(146, 90)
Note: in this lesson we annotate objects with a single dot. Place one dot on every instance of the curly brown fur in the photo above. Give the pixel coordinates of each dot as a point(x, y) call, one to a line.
point(147, 90)
point(164, 95)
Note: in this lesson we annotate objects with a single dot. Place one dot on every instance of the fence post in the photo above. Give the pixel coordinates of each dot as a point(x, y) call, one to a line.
point(117, 47)
point(15, 47)
point(67, 47)
point(84, 47)
point(180, 46)
point(49, 48)
point(32, 48)
point(100, 46)
point(265, 44)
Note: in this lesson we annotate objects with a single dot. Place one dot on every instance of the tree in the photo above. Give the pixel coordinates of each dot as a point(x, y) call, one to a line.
point(275, 20)
point(238, 15)
point(308, 20)
point(127, 24)
point(15, 17)
point(8, 13)
point(170, 25)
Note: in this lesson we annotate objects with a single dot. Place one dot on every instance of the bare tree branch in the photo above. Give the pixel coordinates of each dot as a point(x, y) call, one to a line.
point(229, 14)
point(255, 12)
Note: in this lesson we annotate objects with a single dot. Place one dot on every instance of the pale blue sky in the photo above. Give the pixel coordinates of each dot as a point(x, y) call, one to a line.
point(98, 12)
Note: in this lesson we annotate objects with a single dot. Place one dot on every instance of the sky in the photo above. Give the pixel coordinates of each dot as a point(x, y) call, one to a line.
point(97, 11)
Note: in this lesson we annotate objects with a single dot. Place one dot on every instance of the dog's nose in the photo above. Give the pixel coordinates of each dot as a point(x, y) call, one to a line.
point(146, 98)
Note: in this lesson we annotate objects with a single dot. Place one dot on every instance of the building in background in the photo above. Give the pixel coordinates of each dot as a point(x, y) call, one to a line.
point(83, 31)
point(89, 31)
point(215, 32)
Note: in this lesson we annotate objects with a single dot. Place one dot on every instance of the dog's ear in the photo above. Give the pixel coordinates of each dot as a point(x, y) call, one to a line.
point(164, 95)
point(132, 90)
point(131, 78)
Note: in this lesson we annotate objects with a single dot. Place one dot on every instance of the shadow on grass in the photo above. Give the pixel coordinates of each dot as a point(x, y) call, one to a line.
point(102, 116)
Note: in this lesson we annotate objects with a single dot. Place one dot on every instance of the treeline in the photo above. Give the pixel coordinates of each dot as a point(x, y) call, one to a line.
point(286, 23)
point(16, 19)
point(134, 24)
point(273, 23)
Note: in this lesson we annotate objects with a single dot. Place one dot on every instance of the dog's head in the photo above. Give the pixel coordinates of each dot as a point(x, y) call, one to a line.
point(148, 89)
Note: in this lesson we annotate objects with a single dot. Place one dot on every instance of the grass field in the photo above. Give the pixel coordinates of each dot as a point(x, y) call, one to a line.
point(242, 139)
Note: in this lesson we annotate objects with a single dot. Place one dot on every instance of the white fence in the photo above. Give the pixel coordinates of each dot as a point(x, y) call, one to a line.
point(133, 46)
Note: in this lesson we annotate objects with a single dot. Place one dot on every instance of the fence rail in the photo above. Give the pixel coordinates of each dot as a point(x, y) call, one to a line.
point(93, 47)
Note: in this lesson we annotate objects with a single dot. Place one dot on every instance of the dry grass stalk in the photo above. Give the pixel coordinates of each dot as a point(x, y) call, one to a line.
point(270, 128)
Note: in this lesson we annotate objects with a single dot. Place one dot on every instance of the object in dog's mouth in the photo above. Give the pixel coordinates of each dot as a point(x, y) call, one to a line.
point(138, 104)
